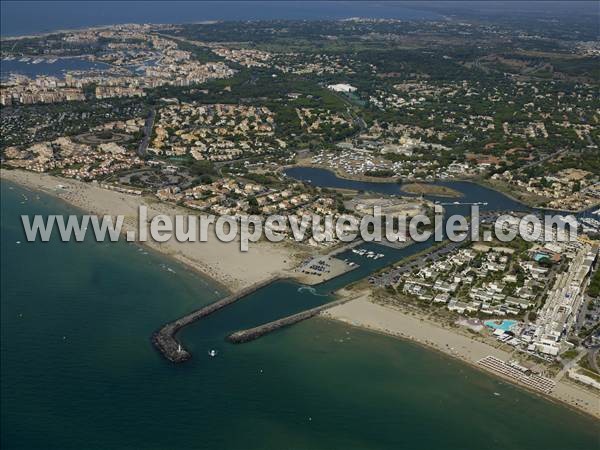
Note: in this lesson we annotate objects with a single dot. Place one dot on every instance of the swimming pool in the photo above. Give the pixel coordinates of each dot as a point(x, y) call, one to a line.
point(504, 325)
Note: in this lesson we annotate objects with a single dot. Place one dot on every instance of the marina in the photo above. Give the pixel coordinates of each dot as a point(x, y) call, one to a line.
point(479, 331)
point(368, 253)
point(237, 376)
point(165, 339)
point(55, 67)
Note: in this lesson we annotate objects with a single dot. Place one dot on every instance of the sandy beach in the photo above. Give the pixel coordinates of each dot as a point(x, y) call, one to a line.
point(363, 313)
point(220, 261)
point(235, 270)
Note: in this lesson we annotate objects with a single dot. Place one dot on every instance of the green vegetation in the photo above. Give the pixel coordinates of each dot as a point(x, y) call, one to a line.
point(200, 168)
point(594, 287)
point(379, 173)
point(569, 354)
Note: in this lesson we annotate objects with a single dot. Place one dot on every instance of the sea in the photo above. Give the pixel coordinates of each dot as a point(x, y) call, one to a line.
point(33, 17)
point(78, 370)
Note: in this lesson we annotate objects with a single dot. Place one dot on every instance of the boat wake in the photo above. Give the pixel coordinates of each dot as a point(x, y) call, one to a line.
point(310, 290)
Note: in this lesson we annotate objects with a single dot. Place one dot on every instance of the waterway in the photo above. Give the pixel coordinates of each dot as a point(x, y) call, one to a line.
point(487, 199)
point(78, 369)
point(55, 69)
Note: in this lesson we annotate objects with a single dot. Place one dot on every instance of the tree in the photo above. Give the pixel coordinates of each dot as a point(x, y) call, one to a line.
point(253, 203)
point(200, 168)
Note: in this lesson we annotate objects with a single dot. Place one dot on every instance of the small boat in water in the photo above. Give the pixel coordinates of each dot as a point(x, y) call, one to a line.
point(212, 353)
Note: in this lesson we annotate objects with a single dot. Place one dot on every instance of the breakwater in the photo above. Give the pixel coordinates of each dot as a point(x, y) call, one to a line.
point(165, 339)
point(250, 334)
point(166, 342)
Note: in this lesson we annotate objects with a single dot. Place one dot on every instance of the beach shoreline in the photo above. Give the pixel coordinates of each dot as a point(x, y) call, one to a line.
point(360, 313)
point(142, 245)
point(367, 315)
point(221, 262)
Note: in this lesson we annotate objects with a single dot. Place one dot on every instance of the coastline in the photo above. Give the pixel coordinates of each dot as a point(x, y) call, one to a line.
point(376, 318)
point(43, 34)
point(370, 316)
point(222, 263)
point(143, 245)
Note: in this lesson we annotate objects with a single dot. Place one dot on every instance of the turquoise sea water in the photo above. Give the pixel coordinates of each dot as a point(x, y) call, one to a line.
point(78, 370)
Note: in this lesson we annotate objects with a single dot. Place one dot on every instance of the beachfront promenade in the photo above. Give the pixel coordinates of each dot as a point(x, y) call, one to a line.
point(165, 339)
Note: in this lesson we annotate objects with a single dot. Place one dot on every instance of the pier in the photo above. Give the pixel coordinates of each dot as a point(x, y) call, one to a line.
point(165, 339)
point(250, 334)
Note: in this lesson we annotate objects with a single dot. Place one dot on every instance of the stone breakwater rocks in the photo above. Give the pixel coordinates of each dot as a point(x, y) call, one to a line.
point(165, 339)
point(251, 334)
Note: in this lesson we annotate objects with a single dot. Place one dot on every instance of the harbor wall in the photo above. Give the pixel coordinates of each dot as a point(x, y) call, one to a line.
point(165, 339)
point(250, 334)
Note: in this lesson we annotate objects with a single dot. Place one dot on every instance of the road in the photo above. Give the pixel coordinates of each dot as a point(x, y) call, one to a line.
point(141, 151)
point(569, 365)
point(541, 160)
point(357, 120)
point(391, 276)
point(592, 357)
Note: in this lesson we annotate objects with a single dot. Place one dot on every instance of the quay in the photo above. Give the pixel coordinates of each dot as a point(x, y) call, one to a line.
point(165, 339)
point(250, 334)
